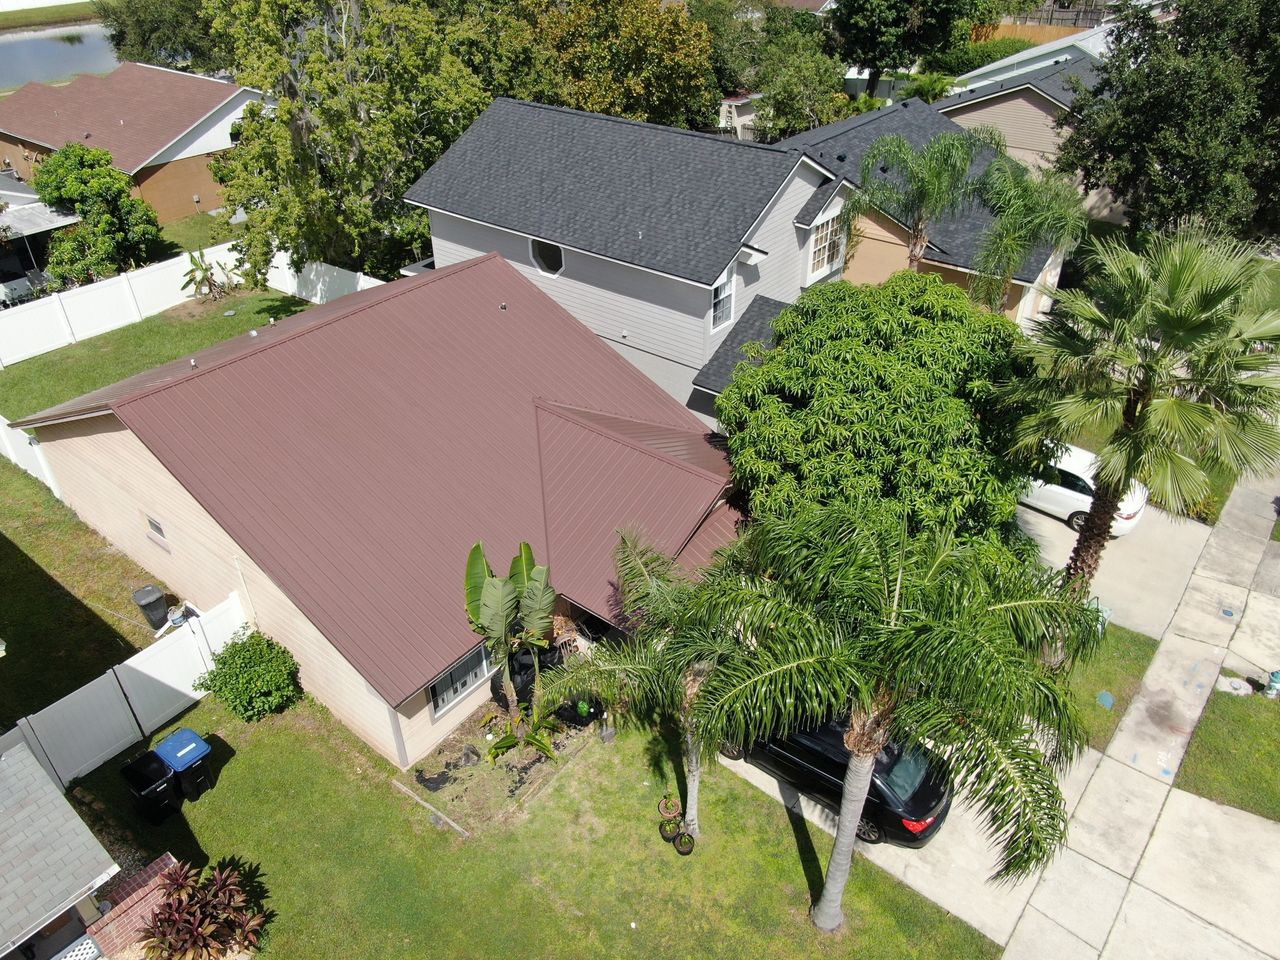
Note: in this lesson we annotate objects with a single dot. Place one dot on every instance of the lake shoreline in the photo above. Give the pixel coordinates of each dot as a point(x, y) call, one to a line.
point(41, 18)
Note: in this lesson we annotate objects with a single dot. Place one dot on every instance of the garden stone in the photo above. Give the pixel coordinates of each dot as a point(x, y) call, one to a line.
point(470, 756)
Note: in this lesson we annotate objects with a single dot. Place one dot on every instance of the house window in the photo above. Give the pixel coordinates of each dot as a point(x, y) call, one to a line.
point(463, 677)
point(548, 257)
point(722, 302)
point(826, 247)
point(155, 531)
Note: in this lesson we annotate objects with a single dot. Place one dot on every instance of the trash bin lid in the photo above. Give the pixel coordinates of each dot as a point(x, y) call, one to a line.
point(182, 748)
point(148, 594)
point(146, 771)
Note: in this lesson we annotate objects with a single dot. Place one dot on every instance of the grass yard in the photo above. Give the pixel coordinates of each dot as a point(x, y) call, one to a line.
point(355, 869)
point(67, 613)
point(47, 16)
point(1234, 754)
point(1117, 669)
point(1275, 531)
point(62, 374)
point(196, 232)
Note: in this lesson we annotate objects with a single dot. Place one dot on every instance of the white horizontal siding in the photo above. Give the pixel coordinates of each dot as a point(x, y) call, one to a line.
point(781, 274)
point(644, 310)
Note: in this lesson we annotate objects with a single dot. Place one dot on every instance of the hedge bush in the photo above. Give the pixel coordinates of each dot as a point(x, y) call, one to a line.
point(253, 676)
point(970, 56)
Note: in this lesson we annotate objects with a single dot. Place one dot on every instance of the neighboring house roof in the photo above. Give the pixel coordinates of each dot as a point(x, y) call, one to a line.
point(813, 6)
point(1094, 42)
point(953, 240)
point(669, 200)
point(13, 191)
point(33, 218)
point(356, 451)
point(135, 111)
point(1055, 81)
point(756, 323)
point(49, 859)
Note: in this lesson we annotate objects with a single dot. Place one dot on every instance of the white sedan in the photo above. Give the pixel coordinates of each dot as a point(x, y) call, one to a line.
point(1067, 492)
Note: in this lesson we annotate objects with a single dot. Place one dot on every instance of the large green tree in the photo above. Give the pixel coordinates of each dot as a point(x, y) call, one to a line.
point(167, 33)
point(882, 35)
point(922, 641)
point(1185, 119)
point(801, 87)
point(117, 231)
point(1167, 352)
point(883, 395)
point(366, 95)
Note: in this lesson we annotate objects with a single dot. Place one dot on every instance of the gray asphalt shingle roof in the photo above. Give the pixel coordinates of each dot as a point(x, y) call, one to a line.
point(48, 857)
point(669, 200)
point(954, 240)
point(1055, 81)
point(756, 323)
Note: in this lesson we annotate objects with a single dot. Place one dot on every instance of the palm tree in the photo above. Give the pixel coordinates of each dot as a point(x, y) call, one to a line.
point(917, 186)
point(929, 87)
point(658, 668)
point(1168, 354)
point(1033, 208)
point(919, 640)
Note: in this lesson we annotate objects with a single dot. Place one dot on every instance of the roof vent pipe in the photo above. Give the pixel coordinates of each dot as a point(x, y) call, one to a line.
point(502, 306)
point(193, 363)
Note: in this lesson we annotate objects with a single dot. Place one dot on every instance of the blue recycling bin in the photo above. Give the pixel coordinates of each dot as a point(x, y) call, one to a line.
point(187, 754)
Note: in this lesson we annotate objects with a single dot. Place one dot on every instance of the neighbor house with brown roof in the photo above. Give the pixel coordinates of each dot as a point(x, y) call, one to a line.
point(336, 468)
point(161, 127)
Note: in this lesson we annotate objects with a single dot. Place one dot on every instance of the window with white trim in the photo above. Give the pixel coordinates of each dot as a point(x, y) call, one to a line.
point(460, 679)
point(722, 302)
point(827, 244)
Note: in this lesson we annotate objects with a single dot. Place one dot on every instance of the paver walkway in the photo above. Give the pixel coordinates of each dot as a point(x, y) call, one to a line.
point(1154, 871)
point(1149, 871)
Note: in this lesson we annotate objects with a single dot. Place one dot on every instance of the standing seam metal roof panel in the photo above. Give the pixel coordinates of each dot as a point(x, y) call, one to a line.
point(357, 459)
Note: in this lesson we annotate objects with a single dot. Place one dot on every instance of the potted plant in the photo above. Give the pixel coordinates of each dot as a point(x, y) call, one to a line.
point(683, 843)
point(670, 828)
point(669, 807)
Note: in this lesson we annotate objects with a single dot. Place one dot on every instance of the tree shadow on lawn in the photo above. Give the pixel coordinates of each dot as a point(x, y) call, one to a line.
point(55, 643)
point(665, 756)
point(804, 841)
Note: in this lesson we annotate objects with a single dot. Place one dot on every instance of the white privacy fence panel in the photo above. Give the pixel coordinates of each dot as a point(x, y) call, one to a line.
point(98, 307)
point(78, 733)
point(318, 282)
point(32, 329)
point(85, 728)
point(17, 446)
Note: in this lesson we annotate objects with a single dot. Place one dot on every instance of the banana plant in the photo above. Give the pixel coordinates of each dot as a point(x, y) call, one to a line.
point(510, 613)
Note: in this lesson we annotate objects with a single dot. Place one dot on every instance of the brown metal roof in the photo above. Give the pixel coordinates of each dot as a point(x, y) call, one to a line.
point(358, 452)
point(135, 111)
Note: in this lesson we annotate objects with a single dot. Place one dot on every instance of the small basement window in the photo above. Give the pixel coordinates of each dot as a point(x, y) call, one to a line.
point(548, 257)
point(459, 680)
point(155, 532)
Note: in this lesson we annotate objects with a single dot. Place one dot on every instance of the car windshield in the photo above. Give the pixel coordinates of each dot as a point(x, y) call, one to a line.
point(902, 770)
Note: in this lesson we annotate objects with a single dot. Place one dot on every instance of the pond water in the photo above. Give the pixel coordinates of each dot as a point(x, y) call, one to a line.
point(54, 54)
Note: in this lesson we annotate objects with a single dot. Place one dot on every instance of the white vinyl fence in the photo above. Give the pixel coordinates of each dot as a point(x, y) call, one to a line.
point(78, 733)
point(64, 318)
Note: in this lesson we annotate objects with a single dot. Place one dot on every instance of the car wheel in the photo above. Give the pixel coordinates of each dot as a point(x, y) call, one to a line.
point(1076, 521)
point(730, 752)
point(868, 831)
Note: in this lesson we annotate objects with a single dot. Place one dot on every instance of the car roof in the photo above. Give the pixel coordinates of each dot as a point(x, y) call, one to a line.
point(1077, 460)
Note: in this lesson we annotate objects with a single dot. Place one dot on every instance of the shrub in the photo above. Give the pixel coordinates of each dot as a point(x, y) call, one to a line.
point(253, 675)
point(970, 56)
point(201, 918)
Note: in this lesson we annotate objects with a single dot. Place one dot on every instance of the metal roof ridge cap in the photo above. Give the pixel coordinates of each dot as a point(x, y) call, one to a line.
point(554, 405)
point(262, 347)
point(557, 410)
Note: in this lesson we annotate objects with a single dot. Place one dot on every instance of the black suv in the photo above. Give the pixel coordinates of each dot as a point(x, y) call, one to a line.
point(910, 791)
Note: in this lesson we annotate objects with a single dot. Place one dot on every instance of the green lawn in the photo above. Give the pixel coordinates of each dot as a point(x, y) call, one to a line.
point(47, 16)
point(1275, 531)
point(1117, 669)
point(62, 374)
point(67, 613)
point(196, 232)
point(1235, 753)
point(355, 869)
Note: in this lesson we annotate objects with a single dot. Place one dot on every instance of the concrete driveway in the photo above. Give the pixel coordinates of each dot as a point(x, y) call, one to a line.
point(1143, 574)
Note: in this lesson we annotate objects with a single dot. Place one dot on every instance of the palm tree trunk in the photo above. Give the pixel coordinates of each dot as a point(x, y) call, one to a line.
point(1083, 565)
point(693, 780)
point(827, 914)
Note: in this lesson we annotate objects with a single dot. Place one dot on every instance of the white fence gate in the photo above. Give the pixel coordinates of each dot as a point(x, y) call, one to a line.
point(75, 735)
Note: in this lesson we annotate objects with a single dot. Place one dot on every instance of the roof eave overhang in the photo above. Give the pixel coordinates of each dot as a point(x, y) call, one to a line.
point(36, 421)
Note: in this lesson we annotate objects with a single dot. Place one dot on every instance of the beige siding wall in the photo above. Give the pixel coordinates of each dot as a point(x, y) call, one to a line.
point(881, 250)
point(644, 310)
point(170, 186)
point(1024, 117)
point(114, 483)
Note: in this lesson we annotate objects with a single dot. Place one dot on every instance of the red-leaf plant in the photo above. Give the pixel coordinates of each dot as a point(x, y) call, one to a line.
point(201, 917)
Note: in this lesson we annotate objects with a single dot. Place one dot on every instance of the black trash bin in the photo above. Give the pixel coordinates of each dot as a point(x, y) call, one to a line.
point(154, 605)
point(187, 754)
point(153, 785)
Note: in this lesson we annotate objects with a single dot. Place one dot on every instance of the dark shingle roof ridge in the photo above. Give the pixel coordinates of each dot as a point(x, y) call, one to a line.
point(574, 416)
point(663, 128)
point(1034, 78)
point(833, 130)
point(390, 293)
